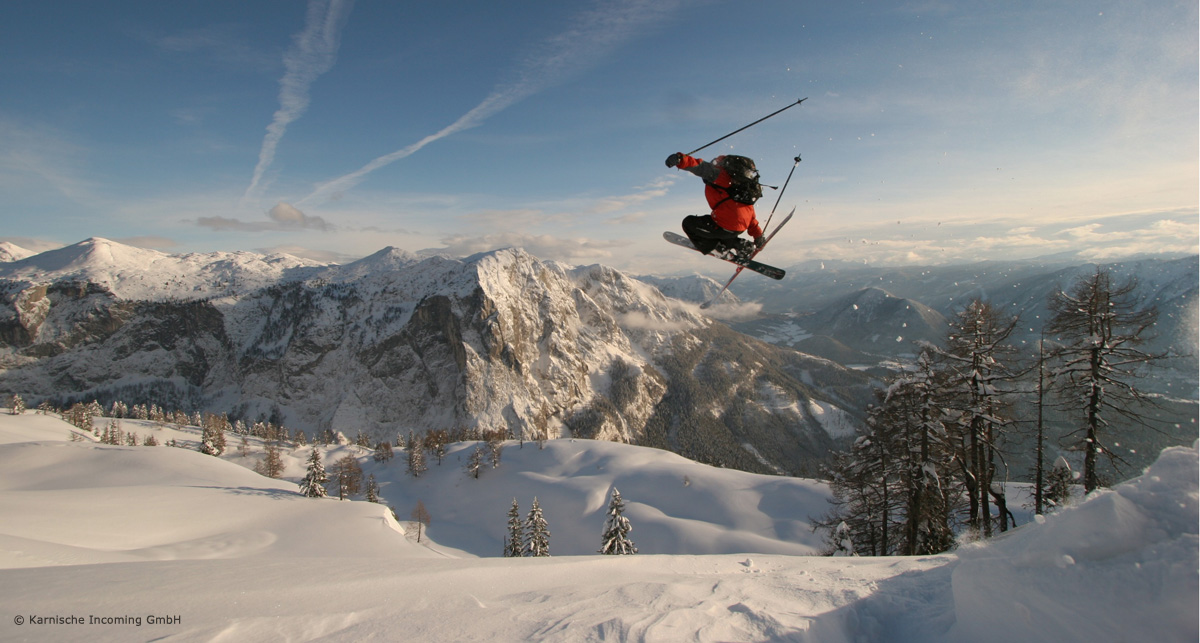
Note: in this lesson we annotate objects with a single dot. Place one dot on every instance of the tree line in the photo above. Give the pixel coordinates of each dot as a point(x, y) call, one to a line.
point(929, 464)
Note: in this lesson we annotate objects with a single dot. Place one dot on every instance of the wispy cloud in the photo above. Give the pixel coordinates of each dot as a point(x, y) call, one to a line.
point(313, 52)
point(657, 188)
point(593, 34)
point(33, 155)
point(224, 44)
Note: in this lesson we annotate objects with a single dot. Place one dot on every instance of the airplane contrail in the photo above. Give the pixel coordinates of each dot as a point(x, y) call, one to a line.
point(593, 34)
point(313, 52)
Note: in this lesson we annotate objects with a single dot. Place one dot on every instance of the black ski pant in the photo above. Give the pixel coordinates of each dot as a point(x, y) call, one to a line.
point(705, 234)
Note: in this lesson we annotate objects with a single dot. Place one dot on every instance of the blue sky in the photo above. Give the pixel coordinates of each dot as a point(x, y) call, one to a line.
point(933, 131)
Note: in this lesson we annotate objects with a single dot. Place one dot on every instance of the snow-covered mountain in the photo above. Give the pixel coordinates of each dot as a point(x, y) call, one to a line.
point(393, 343)
point(141, 274)
point(865, 326)
point(12, 252)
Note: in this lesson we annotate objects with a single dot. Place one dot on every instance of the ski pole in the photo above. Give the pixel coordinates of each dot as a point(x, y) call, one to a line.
point(785, 184)
point(748, 126)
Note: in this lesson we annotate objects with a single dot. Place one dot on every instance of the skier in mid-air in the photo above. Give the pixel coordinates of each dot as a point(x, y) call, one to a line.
point(731, 188)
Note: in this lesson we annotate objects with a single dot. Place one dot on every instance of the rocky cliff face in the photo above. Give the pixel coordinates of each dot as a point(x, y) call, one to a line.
point(392, 343)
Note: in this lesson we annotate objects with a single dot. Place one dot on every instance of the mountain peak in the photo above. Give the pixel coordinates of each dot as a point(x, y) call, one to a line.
point(12, 252)
point(79, 259)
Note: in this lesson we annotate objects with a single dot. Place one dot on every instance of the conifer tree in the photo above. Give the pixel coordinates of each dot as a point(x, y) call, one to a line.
point(615, 537)
point(16, 405)
point(348, 475)
point(475, 462)
point(372, 489)
point(313, 483)
point(1101, 326)
point(866, 496)
point(1058, 484)
point(420, 515)
point(514, 542)
point(975, 379)
point(383, 452)
point(271, 465)
point(840, 542)
point(212, 435)
point(416, 456)
point(435, 442)
point(495, 446)
point(923, 455)
point(537, 532)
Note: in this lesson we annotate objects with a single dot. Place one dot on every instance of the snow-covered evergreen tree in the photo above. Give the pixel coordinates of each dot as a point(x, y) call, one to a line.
point(16, 405)
point(495, 446)
point(313, 483)
point(841, 543)
point(212, 435)
point(1058, 484)
point(514, 542)
point(615, 537)
point(383, 452)
point(475, 462)
point(416, 456)
point(372, 489)
point(537, 532)
point(976, 380)
point(112, 433)
point(435, 442)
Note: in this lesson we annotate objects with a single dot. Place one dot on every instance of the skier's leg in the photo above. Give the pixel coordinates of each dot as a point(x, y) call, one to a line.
point(705, 234)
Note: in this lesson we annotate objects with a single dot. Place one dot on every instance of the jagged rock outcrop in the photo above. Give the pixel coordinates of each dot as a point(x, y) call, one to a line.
point(393, 343)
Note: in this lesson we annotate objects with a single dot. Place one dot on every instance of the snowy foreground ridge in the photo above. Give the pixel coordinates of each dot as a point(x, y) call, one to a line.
point(156, 543)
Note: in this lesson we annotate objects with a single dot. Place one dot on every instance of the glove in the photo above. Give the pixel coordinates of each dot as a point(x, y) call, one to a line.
point(674, 159)
point(759, 242)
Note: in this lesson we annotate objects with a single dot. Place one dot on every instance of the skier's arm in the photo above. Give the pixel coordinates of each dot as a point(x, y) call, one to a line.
point(754, 230)
point(701, 168)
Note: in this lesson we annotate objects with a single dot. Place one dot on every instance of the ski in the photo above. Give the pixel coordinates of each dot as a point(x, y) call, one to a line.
point(760, 268)
point(755, 253)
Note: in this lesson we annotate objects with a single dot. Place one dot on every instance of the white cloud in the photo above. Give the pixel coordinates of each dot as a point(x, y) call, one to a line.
point(284, 216)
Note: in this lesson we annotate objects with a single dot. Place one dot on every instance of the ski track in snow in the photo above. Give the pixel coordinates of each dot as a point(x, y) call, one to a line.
point(100, 531)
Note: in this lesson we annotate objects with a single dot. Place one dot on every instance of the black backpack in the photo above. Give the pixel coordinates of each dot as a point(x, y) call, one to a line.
point(743, 179)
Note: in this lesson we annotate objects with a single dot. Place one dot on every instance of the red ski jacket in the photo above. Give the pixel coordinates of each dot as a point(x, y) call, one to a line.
point(727, 213)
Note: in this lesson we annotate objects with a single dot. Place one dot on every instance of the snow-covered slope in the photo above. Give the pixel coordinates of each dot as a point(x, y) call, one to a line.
point(118, 536)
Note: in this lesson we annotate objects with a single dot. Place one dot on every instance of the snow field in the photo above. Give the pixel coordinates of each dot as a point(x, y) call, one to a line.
point(96, 530)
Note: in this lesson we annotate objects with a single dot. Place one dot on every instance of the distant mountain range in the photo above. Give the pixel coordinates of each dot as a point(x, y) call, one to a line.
point(858, 314)
point(393, 343)
point(871, 318)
